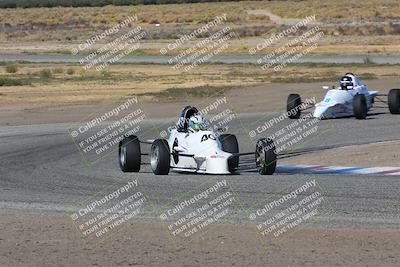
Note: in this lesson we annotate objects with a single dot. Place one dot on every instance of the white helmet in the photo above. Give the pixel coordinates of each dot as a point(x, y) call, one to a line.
point(196, 123)
point(350, 81)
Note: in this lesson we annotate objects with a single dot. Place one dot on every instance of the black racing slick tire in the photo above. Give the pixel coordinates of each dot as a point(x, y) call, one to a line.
point(360, 108)
point(394, 101)
point(230, 144)
point(293, 106)
point(129, 154)
point(160, 157)
point(265, 156)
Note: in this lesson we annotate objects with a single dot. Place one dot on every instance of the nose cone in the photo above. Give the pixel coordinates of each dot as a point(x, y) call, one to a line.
point(321, 112)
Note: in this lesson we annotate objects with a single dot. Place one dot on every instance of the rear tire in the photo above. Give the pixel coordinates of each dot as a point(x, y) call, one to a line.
point(360, 107)
point(160, 157)
point(129, 155)
point(230, 144)
point(265, 157)
point(293, 106)
point(394, 101)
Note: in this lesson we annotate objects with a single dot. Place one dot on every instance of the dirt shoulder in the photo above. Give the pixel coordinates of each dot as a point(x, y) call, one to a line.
point(39, 241)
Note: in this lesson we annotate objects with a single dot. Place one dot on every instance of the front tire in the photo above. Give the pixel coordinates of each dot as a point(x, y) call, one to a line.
point(265, 156)
point(160, 157)
point(360, 107)
point(230, 144)
point(394, 101)
point(293, 106)
point(129, 154)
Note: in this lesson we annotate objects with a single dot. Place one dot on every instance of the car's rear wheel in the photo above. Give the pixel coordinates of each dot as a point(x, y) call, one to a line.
point(129, 155)
point(230, 144)
point(360, 106)
point(265, 156)
point(394, 101)
point(160, 157)
point(293, 106)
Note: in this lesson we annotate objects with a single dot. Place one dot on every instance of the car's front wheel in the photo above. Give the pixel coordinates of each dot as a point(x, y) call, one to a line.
point(129, 154)
point(293, 106)
point(394, 101)
point(265, 156)
point(160, 157)
point(230, 144)
point(360, 106)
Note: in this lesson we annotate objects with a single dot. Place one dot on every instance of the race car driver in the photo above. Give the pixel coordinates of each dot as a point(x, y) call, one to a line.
point(196, 123)
point(351, 82)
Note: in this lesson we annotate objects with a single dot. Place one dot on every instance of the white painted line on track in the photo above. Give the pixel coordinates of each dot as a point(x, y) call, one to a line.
point(319, 169)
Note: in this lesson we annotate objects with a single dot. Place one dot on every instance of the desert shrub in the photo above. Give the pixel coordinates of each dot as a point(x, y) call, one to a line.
point(12, 82)
point(154, 21)
point(45, 74)
point(12, 67)
point(70, 71)
point(58, 70)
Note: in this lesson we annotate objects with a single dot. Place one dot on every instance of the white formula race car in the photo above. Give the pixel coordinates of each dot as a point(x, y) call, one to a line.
point(352, 98)
point(199, 151)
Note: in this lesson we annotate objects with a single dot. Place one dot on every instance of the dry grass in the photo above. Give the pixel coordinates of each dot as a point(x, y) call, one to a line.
point(99, 17)
point(197, 13)
point(61, 88)
point(57, 30)
point(339, 10)
point(65, 24)
point(377, 45)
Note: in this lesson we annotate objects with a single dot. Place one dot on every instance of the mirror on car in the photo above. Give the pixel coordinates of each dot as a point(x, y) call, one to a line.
point(179, 149)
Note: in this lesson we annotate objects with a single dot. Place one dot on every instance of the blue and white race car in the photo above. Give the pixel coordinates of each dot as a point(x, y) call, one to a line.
point(351, 98)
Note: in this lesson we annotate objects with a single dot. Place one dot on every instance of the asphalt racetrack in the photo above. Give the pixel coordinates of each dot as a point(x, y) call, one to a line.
point(42, 172)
